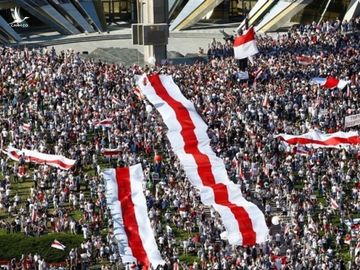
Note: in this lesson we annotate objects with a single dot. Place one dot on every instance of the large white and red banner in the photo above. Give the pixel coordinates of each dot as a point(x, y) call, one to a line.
point(126, 200)
point(245, 45)
point(317, 139)
point(57, 161)
point(329, 82)
point(244, 222)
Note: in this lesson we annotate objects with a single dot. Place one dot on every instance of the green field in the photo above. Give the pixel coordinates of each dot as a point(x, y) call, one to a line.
point(16, 244)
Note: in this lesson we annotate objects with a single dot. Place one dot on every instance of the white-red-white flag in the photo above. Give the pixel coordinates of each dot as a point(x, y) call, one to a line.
point(266, 101)
point(317, 139)
point(329, 82)
point(30, 78)
point(138, 93)
point(304, 60)
point(115, 100)
point(57, 161)
point(26, 127)
point(187, 133)
point(333, 204)
point(29, 75)
point(126, 200)
point(111, 153)
point(245, 45)
point(56, 244)
point(258, 73)
point(108, 122)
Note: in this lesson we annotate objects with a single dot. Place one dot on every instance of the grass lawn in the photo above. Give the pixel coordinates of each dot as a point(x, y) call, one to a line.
point(15, 244)
point(189, 259)
point(76, 214)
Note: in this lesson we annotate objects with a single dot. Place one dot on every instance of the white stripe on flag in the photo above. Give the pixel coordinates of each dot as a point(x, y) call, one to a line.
point(117, 216)
point(342, 83)
point(244, 222)
point(133, 230)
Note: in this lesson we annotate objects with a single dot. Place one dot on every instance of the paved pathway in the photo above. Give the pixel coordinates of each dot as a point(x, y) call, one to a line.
point(187, 41)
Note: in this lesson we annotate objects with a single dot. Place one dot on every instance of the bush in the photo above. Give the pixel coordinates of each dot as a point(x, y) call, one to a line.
point(14, 245)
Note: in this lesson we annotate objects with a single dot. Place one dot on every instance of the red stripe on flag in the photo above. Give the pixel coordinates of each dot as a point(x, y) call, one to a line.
point(247, 37)
point(203, 163)
point(331, 82)
point(128, 213)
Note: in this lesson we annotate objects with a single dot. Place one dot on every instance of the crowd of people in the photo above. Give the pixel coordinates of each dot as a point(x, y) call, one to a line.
point(60, 96)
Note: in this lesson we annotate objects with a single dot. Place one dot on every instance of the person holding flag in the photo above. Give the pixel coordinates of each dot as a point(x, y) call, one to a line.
point(244, 48)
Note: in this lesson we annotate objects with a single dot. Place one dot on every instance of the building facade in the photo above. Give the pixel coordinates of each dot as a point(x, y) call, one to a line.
point(20, 18)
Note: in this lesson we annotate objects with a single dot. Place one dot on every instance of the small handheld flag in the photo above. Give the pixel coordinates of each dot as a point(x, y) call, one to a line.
point(56, 244)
